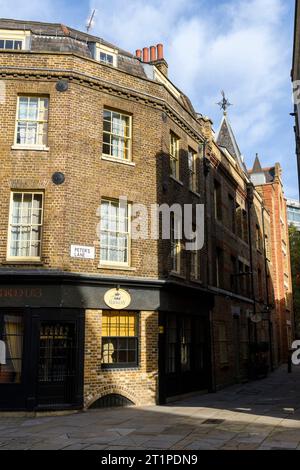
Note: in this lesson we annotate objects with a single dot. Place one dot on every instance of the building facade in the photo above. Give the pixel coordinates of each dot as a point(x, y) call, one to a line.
point(295, 75)
point(293, 213)
point(268, 182)
point(90, 315)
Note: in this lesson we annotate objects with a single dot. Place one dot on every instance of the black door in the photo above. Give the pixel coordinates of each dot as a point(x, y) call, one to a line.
point(56, 381)
point(184, 361)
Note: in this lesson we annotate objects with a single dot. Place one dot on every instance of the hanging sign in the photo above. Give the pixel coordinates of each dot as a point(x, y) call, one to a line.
point(117, 299)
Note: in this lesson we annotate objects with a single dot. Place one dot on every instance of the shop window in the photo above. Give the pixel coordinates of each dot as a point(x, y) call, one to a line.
point(11, 347)
point(119, 339)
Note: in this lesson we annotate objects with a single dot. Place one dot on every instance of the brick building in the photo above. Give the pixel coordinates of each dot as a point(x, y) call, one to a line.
point(268, 183)
point(89, 314)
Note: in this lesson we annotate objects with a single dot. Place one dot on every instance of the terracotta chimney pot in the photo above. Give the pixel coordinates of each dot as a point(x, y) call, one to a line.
point(145, 54)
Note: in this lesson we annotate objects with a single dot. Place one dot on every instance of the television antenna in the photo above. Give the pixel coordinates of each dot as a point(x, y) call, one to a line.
point(90, 21)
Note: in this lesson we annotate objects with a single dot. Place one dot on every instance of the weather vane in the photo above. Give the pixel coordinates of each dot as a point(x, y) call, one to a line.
point(224, 104)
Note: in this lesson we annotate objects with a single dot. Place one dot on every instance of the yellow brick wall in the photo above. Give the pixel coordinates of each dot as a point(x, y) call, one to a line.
point(138, 385)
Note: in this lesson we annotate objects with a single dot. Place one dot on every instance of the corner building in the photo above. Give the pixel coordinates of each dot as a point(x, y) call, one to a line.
point(89, 315)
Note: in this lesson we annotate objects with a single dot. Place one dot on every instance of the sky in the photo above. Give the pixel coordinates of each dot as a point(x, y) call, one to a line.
point(241, 46)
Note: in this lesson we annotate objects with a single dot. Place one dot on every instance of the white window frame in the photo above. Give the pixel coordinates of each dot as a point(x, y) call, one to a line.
point(112, 264)
point(13, 40)
point(174, 155)
point(195, 265)
point(192, 167)
point(9, 257)
point(36, 146)
point(108, 51)
point(16, 35)
point(129, 139)
point(175, 247)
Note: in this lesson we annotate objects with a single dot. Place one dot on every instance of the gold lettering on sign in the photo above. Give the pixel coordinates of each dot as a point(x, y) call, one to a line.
point(117, 299)
point(19, 292)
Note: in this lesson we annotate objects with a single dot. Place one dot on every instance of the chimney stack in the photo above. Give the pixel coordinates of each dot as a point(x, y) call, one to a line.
point(154, 55)
point(145, 54)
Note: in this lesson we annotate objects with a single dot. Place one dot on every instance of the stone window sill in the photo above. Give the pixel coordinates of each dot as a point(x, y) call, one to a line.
point(24, 262)
point(194, 193)
point(117, 160)
point(176, 180)
point(36, 148)
point(116, 267)
point(176, 274)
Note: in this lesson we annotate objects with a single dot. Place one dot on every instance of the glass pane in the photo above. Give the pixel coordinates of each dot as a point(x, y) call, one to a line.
point(109, 351)
point(11, 349)
point(1, 44)
point(9, 44)
point(26, 208)
point(32, 133)
point(33, 109)
point(23, 105)
point(16, 211)
point(43, 109)
point(18, 45)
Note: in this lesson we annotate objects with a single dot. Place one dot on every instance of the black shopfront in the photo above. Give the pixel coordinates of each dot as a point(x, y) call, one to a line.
point(184, 343)
point(43, 363)
point(42, 328)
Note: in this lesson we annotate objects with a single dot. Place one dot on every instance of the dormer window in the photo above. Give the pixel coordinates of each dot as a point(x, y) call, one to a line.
point(11, 44)
point(106, 58)
point(106, 55)
point(14, 40)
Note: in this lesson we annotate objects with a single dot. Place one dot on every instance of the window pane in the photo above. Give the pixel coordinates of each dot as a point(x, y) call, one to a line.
point(9, 44)
point(11, 347)
point(1, 44)
point(18, 45)
point(118, 346)
point(23, 105)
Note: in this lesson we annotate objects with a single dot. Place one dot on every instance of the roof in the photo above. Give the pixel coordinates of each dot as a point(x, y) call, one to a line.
point(57, 37)
point(226, 139)
point(56, 29)
point(267, 172)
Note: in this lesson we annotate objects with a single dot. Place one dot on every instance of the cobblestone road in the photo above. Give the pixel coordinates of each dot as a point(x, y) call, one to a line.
point(260, 415)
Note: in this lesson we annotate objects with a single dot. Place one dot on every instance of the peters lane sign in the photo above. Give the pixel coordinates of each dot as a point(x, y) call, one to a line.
point(82, 252)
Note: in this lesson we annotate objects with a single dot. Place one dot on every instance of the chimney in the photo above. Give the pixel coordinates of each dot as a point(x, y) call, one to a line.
point(160, 51)
point(138, 54)
point(145, 54)
point(152, 53)
point(160, 62)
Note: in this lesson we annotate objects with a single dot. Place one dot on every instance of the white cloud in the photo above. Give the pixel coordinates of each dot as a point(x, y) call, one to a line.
point(242, 46)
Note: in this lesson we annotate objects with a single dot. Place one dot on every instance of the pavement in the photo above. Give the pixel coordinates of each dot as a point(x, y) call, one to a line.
point(262, 415)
